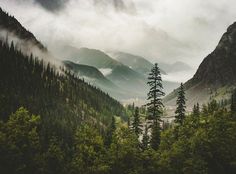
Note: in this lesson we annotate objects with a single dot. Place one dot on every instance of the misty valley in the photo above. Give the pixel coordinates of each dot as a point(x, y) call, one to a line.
point(96, 87)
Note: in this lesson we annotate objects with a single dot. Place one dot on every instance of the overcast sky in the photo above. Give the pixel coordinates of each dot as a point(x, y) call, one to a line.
point(160, 30)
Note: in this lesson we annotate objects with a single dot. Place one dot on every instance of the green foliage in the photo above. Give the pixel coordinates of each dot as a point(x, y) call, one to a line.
point(62, 100)
point(89, 152)
point(19, 143)
point(124, 153)
point(110, 131)
point(181, 106)
point(145, 139)
point(205, 148)
point(155, 137)
point(136, 124)
point(196, 114)
point(155, 105)
point(196, 110)
point(154, 95)
point(233, 103)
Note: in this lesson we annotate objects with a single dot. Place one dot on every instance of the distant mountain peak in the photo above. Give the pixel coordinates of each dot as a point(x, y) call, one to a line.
point(135, 62)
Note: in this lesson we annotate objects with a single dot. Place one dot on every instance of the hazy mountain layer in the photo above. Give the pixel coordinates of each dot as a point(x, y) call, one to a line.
point(137, 63)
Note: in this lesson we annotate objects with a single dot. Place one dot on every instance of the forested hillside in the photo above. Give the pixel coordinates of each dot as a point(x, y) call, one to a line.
point(64, 101)
point(11, 26)
point(203, 144)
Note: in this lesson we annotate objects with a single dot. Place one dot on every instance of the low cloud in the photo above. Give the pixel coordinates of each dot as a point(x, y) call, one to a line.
point(161, 30)
point(105, 71)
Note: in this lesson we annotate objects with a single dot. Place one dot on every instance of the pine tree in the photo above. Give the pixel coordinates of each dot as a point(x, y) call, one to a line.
point(155, 105)
point(233, 103)
point(196, 113)
point(110, 131)
point(145, 140)
point(128, 122)
point(181, 105)
point(136, 124)
point(196, 110)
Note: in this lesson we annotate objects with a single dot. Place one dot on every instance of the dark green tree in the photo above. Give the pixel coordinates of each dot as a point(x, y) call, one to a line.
point(128, 122)
point(155, 105)
point(196, 114)
point(89, 152)
point(233, 103)
point(136, 124)
point(196, 110)
point(19, 143)
point(124, 153)
point(181, 106)
point(145, 140)
point(212, 106)
point(110, 131)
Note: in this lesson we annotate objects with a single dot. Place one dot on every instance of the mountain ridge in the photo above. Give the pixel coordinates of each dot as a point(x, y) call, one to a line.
point(135, 62)
point(215, 73)
point(12, 25)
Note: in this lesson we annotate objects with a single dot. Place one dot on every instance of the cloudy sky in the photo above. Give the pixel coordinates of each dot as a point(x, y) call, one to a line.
point(160, 30)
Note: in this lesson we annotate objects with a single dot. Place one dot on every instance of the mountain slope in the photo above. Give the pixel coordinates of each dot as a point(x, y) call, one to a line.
point(9, 25)
point(215, 77)
point(93, 76)
point(62, 99)
point(94, 58)
point(118, 73)
point(132, 84)
point(175, 67)
point(88, 72)
point(137, 63)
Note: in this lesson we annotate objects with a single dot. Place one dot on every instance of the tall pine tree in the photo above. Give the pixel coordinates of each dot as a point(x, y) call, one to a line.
point(155, 105)
point(181, 106)
point(136, 124)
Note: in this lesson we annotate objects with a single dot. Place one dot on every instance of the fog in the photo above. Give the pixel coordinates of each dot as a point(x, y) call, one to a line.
point(28, 47)
point(160, 30)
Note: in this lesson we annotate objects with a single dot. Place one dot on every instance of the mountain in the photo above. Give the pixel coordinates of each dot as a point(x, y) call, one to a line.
point(142, 66)
point(88, 72)
point(94, 77)
point(118, 73)
point(94, 58)
point(215, 77)
point(10, 28)
point(12, 31)
point(50, 91)
point(137, 63)
point(131, 81)
point(175, 67)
